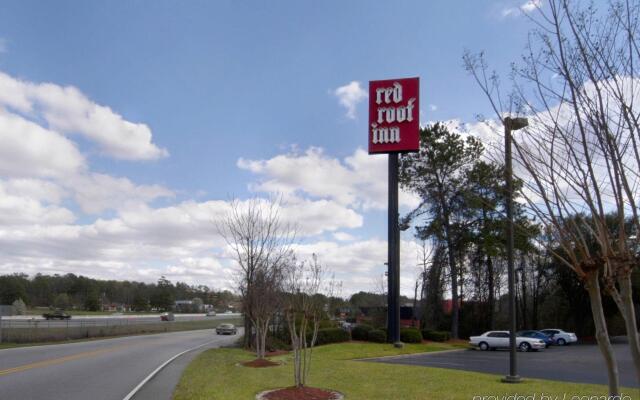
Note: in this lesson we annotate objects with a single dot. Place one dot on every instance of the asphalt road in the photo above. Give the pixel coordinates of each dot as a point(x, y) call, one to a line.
point(102, 320)
point(98, 370)
point(575, 363)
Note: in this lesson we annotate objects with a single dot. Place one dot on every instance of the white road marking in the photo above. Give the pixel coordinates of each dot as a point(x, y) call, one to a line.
point(155, 372)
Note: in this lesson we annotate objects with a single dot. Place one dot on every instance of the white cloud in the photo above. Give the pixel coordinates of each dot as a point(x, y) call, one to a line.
point(69, 111)
point(37, 189)
point(433, 107)
point(343, 237)
point(95, 193)
point(21, 210)
point(349, 96)
point(30, 150)
point(359, 180)
point(524, 8)
point(531, 5)
point(360, 265)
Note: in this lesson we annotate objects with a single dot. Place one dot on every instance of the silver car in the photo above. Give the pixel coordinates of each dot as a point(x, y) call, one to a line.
point(226, 329)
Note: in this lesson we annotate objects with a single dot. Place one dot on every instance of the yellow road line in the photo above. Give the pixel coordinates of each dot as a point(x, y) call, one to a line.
point(60, 360)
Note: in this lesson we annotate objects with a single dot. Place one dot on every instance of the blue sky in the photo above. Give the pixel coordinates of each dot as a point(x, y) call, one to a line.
point(239, 99)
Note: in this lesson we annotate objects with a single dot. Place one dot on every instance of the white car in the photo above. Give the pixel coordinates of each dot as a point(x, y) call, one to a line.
point(560, 337)
point(500, 340)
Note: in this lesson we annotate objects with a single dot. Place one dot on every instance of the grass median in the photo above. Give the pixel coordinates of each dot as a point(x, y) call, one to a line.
point(216, 374)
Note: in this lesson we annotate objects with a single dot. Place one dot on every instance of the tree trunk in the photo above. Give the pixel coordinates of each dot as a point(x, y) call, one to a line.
point(629, 315)
point(492, 291)
point(258, 352)
point(602, 335)
point(247, 333)
point(454, 273)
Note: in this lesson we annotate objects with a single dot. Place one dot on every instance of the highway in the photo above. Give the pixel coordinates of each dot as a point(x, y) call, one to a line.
point(23, 321)
point(106, 369)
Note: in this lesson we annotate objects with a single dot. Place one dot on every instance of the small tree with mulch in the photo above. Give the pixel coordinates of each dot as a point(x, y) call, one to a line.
point(304, 309)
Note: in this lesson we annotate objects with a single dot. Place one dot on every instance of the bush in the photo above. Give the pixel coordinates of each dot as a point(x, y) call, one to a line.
point(361, 332)
point(331, 335)
point(326, 324)
point(19, 307)
point(410, 335)
point(378, 336)
point(436, 336)
point(275, 344)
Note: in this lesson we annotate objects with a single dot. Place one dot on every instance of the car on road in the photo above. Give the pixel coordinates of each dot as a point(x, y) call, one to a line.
point(536, 335)
point(226, 329)
point(211, 314)
point(56, 314)
point(560, 337)
point(492, 340)
point(167, 317)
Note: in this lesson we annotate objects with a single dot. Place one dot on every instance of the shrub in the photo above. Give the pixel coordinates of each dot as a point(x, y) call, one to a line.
point(331, 335)
point(326, 324)
point(19, 307)
point(275, 343)
point(361, 332)
point(436, 336)
point(410, 335)
point(378, 336)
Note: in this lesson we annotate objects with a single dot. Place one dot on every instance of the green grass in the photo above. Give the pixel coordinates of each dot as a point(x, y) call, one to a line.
point(215, 374)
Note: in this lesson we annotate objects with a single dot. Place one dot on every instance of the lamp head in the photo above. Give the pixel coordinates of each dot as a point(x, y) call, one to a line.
point(516, 123)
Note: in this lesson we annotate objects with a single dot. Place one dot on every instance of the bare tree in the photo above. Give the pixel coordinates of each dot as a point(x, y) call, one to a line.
point(265, 298)
point(261, 242)
point(306, 290)
point(580, 156)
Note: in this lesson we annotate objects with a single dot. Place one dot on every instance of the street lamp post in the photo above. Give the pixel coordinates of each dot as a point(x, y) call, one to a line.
point(511, 124)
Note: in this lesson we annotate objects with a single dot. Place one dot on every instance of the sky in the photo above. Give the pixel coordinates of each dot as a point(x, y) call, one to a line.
point(127, 127)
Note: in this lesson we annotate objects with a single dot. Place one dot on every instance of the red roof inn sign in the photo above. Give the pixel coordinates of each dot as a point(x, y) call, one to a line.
point(394, 115)
point(394, 127)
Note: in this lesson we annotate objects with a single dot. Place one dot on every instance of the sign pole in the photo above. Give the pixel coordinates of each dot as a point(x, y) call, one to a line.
point(393, 297)
point(394, 128)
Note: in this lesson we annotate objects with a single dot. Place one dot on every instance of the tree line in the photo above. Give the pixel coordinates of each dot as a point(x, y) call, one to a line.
point(72, 291)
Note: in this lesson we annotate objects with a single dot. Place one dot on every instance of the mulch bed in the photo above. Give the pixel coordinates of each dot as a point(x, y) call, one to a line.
point(260, 363)
point(304, 393)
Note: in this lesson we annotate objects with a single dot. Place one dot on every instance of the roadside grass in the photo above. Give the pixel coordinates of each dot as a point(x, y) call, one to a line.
point(216, 374)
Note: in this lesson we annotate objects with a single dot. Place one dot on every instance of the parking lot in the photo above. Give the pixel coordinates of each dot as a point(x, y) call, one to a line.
point(575, 363)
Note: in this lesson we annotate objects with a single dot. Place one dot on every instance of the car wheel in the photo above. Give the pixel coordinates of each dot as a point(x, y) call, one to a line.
point(483, 346)
point(561, 342)
point(524, 346)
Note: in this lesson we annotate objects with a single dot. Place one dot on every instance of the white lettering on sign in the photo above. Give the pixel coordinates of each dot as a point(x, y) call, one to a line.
point(390, 114)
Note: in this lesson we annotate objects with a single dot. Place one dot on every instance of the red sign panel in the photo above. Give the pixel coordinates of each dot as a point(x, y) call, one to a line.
point(394, 115)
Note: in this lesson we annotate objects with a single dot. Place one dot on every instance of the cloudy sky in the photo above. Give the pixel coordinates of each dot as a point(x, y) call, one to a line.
point(126, 127)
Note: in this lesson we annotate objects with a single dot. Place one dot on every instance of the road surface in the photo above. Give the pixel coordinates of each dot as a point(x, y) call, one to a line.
point(98, 370)
point(22, 321)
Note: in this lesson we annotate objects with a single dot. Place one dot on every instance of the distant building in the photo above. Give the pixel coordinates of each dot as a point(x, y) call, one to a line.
point(187, 306)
